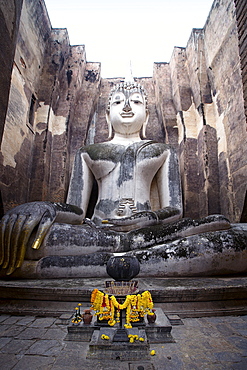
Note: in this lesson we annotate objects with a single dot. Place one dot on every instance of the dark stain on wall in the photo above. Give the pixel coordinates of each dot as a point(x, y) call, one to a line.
point(91, 76)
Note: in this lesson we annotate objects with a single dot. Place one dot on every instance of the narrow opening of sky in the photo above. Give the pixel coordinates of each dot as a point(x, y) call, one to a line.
point(138, 30)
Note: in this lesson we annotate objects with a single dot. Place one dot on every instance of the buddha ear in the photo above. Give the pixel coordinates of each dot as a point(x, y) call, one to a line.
point(109, 124)
point(143, 130)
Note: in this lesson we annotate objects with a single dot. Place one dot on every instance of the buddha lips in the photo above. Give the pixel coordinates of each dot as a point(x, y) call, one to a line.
point(136, 305)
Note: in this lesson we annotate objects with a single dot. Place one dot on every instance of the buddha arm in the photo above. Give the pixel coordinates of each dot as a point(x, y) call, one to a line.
point(169, 188)
point(81, 183)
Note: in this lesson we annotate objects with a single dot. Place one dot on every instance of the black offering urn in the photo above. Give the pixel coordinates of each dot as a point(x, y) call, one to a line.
point(123, 268)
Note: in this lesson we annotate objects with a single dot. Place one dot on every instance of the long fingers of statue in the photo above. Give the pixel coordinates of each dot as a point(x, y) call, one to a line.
point(7, 224)
point(14, 242)
point(15, 231)
point(25, 233)
point(44, 225)
point(3, 224)
point(7, 239)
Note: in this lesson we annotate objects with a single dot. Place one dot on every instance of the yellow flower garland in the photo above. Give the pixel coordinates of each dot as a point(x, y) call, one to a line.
point(136, 306)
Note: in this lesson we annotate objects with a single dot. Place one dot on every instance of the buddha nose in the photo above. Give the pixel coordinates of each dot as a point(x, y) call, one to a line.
point(127, 107)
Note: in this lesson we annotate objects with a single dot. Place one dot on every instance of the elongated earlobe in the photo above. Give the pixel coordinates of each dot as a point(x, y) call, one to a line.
point(109, 125)
point(143, 130)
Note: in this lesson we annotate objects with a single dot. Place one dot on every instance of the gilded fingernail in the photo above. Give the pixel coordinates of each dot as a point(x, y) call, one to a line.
point(36, 244)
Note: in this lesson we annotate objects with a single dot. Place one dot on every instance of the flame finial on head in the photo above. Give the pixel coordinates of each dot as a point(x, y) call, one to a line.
point(129, 75)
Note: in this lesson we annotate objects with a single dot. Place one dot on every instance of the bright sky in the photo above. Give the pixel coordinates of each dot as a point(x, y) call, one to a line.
point(143, 31)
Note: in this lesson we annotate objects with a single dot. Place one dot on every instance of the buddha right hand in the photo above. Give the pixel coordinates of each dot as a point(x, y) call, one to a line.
point(16, 227)
point(20, 222)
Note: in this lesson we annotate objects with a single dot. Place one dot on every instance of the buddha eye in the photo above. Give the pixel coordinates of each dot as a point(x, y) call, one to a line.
point(117, 99)
point(136, 99)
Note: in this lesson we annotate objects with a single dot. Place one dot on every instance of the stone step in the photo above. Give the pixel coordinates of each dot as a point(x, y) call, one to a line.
point(186, 297)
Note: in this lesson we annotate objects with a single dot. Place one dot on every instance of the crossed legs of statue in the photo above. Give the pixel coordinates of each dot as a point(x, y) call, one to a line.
point(64, 239)
point(83, 250)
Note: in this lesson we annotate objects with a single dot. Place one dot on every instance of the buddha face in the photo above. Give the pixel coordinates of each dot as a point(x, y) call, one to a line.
point(127, 112)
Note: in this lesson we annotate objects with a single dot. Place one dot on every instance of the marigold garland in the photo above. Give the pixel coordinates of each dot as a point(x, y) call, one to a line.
point(136, 306)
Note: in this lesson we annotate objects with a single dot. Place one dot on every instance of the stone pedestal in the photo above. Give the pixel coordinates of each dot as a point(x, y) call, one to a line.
point(80, 333)
point(160, 331)
point(118, 350)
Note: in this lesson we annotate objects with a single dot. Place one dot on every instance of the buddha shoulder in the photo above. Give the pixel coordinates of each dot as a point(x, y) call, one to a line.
point(103, 152)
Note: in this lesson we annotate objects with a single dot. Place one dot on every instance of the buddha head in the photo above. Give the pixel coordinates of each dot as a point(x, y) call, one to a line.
point(127, 111)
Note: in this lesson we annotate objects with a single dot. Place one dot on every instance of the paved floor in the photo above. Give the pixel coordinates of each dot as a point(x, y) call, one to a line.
point(31, 343)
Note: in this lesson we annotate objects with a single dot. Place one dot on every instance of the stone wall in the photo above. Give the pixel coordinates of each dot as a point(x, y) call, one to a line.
point(19, 126)
point(204, 93)
point(226, 81)
point(52, 100)
point(241, 15)
point(10, 12)
point(57, 103)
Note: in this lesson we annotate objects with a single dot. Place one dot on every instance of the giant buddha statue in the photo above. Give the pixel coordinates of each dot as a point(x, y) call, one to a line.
point(138, 209)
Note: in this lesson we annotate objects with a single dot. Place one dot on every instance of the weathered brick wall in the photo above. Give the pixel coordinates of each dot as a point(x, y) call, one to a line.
point(241, 15)
point(10, 12)
point(207, 93)
point(18, 136)
point(67, 95)
point(165, 106)
point(197, 135)
point(223, 63)
point(60, 84)
point(52, 100)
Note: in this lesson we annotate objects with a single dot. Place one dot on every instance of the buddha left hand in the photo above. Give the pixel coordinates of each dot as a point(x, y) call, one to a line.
point(143, 219)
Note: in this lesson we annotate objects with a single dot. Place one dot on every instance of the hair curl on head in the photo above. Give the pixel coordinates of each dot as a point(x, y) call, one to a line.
point(129, 86)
